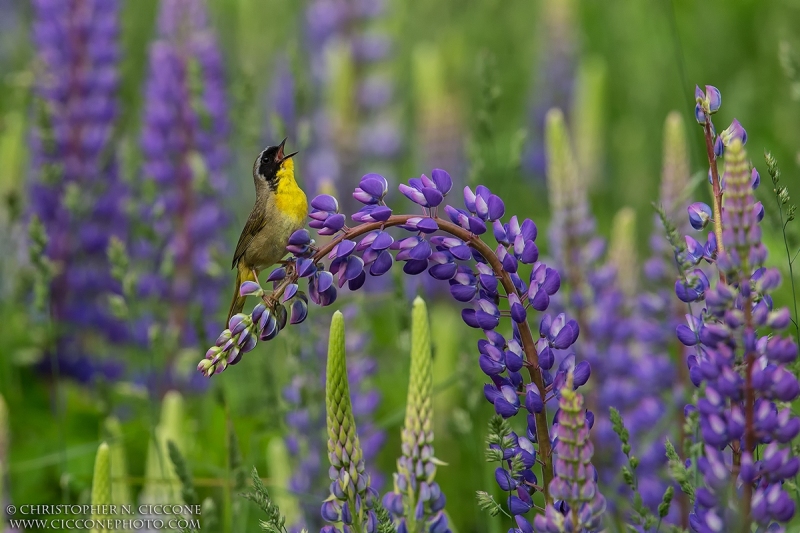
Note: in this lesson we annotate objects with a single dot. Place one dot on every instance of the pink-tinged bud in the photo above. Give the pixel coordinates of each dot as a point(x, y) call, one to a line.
point(713, 98)
point(734, 131)
point(699, 114)
point(250, 288)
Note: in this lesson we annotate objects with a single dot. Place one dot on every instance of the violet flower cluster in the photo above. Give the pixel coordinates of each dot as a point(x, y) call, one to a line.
point(305, 440)
point(78, 194)
point(449, 249)
point(183, 142)
point(627, 375)
point(579, 505)
point(741, 361)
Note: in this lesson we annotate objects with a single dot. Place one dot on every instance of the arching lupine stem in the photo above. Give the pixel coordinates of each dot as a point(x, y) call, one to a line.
point(708, 103)
point(528, 344)
point(475, 272)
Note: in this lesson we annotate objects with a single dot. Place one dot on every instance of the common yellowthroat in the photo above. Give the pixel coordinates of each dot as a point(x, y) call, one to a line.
point(281, 208)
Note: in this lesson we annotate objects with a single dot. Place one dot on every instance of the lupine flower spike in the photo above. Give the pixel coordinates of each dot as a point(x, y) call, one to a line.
point(417, 500)
point(101, 488)
point(578, 506)
point(352, 499)
point(742, 363)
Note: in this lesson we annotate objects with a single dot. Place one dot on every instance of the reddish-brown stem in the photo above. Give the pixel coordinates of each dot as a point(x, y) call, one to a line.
point(749, 407)
point(716, 188)
point(683, 379)
point(528, 344)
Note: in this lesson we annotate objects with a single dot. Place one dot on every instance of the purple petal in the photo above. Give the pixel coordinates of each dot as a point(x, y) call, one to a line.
point(345, 248)
point(374, 184)
point(249, 288)
point(413, 194)
point(277, 274)
point(443, 272)
point(289, 292)
point(414, 267)
point(421, 252)
point(300, 237)
point(325, 202)
point(427, 225)
point(334, 222)
point(382, 263)
point(714, 98)
point(358, 282)
point(496, 207)
point(354, 267)
point(442, 180)
point(469, 199)
point(432, 197)
point(382, 241)
point(476, 226)
point(299, 310)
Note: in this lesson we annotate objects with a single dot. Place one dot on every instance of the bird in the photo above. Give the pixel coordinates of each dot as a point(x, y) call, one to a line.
point(280, 209)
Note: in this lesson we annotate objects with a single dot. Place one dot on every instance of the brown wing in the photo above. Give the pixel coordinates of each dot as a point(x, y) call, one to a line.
point(255, 223)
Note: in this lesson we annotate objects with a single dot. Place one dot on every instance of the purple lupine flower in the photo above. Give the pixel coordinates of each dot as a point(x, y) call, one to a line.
point(579, 505)
point(78, 194)
point(479, 278)
point(741, 360)
point(183, 141)
point(658, 311)
point(629, 375)
point(305, 440)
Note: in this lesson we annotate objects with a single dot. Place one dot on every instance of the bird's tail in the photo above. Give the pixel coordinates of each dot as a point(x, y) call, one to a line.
point(243, 274)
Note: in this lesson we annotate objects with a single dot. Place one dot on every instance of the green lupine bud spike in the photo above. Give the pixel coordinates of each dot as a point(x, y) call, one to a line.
point(101, 487)
point(280, 474)
point(161, 483)
point(562, 172)
point(341, 424)
point(675, 175)
point(622, 250)
point(589, 118)
point(120, 491)
point(418, 428)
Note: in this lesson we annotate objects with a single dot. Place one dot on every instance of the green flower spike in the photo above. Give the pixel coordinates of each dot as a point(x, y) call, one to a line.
point(622, 250)
point(352, 499)
point(101, 488)
point(120, 491)
point(589, 118)
point(280, 473)
point(563, 180)
point(417, 500)
point(675, 174)
point(161, 483)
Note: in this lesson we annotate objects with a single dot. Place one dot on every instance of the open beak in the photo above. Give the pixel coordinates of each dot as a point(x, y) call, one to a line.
point(280, 157)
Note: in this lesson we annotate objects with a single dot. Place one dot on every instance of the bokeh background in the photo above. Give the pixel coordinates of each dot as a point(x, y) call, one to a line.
point(135, 123)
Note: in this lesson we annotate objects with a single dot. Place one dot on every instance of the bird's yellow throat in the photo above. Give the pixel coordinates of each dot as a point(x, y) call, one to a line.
point(289, 198)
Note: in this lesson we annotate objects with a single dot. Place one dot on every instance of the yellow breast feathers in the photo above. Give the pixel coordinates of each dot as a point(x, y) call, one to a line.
point(289, 198)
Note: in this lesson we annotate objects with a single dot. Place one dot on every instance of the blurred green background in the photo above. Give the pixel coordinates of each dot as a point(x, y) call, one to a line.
point(484, 67)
